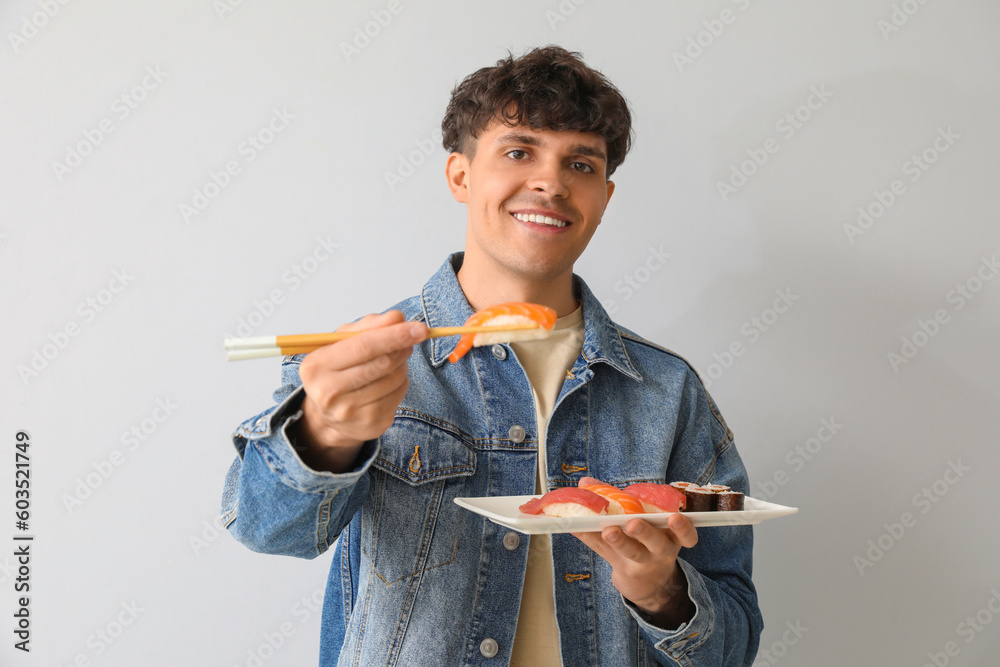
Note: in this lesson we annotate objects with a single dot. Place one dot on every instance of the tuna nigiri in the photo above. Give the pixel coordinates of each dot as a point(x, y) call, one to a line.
point(505, 314)
point(657, 497)
point(567, 501)
point(620, 502)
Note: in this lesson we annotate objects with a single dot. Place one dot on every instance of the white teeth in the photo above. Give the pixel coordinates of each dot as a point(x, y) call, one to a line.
point(540, 219)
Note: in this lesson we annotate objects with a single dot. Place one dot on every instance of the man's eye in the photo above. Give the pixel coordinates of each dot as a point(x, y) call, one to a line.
point(583, 167)
point(517, 154)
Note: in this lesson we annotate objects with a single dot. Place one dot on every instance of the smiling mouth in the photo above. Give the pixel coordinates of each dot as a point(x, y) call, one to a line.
point(540, 219)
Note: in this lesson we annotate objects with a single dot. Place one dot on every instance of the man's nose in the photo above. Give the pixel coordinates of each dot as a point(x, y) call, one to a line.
point(550, 178)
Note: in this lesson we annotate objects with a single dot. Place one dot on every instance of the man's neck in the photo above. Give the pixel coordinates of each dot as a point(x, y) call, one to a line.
point(486, 287)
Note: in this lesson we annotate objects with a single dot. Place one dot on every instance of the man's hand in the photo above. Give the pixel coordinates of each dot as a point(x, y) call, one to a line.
point(353, 389)
point(643, 560)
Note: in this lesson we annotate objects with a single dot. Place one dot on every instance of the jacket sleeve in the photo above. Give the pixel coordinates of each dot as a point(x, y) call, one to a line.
point(727, 623)
point(273, 502)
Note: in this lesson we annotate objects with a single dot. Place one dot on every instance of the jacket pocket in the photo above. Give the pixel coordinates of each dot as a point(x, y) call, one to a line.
point(410, 522)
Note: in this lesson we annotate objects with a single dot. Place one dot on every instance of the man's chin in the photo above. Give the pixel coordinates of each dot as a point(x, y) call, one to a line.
point(540, 269)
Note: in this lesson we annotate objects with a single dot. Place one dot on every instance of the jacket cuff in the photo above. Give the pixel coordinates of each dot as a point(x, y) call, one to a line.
point(268, 432)
point(688, 636)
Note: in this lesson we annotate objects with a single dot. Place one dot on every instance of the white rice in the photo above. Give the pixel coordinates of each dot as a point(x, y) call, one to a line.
point(509, 336)
point(568, 510)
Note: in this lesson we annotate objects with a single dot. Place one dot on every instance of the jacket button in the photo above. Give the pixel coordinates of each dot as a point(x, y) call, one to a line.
point(516, 433)
point(511, 541)
point(499, 351)
point(488, 647)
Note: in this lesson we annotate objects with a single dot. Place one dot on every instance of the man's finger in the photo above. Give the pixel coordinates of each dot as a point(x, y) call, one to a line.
point(370, 345)
point(627, 546)
point(614, 546)
point(374, 321)
point(598, 545)
point(382, 387)
point(374, 343)
point(682, 530)
point(356, 377)
point(371, 420)
point(639, 539)
point(653, 540)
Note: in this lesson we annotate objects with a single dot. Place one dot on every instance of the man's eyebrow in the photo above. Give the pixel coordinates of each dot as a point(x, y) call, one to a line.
point(519, 138)
point(589, 151)
point(532, 140)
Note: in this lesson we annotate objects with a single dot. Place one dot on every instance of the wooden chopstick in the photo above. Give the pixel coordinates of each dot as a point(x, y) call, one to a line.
point(238, 349)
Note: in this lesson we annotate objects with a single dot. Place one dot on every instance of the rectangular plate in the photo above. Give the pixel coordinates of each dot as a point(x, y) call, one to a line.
point(504, 511)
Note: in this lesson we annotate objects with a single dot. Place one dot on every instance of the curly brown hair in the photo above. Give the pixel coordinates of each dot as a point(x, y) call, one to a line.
point(546, 88)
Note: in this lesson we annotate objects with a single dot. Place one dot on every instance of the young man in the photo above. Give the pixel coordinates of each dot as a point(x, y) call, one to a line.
point(374, 437)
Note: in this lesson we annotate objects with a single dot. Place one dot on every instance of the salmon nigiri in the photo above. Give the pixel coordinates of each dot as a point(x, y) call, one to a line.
point(620, 502)
point(505, 314)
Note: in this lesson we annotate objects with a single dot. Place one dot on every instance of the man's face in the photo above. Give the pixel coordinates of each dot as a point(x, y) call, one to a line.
point(535, 198)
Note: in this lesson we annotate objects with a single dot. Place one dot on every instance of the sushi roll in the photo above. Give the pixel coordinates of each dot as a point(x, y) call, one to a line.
point(619, 501)
point(680, 486)
point(567, 501)
point(699, 499)
point(716, 488)
point(729, 501)
point(657, 497)
point(505, 314)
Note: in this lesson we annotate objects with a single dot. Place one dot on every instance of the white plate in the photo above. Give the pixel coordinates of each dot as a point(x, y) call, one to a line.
point(504, 511)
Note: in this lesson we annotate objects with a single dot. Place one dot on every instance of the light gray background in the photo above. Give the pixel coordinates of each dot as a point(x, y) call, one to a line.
point(145, 536)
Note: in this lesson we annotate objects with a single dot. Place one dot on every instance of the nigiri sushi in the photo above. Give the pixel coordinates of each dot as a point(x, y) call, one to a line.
point(620, 502)
point(504, 314)
point(657, 497)
point(567, 501)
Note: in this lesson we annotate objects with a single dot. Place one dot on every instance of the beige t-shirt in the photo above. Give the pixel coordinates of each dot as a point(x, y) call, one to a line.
point(547, 362)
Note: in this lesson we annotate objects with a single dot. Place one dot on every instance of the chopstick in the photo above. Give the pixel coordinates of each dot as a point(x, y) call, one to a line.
point(238, 349)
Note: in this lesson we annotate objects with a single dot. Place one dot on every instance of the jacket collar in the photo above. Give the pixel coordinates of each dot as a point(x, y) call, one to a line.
point(445, 305)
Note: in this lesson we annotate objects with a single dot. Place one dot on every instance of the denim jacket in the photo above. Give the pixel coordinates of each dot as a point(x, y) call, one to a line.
point(417, 580)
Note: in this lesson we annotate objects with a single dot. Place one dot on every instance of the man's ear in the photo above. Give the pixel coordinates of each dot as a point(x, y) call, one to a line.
point(611, 191)
point(457, 172)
